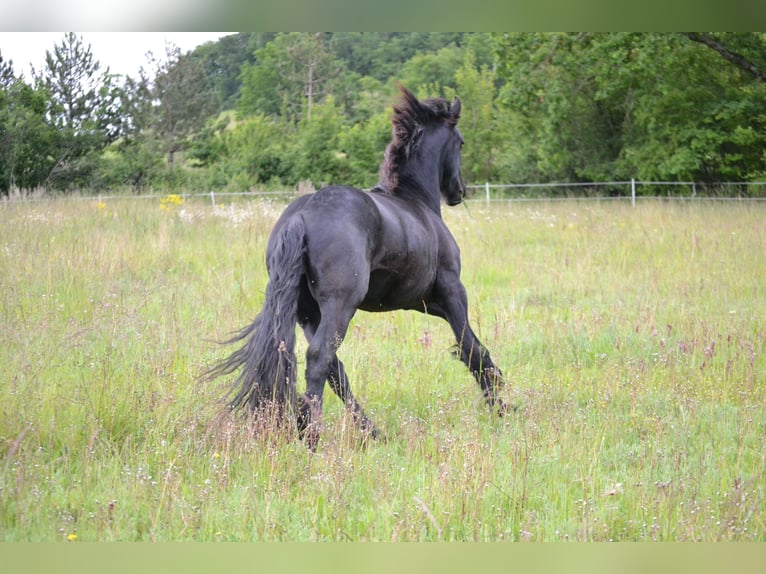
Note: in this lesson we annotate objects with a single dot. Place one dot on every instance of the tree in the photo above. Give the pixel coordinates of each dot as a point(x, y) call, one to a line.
point(620, 105)
point(476, 88)
point(727, 47)
point(26, 152)
point(697, 117)
point(381, 55)
point(182, 99)
point(289, 76)
point(432, 73)
point(551, 108)
point(81, 107)
point(223, 61)
point(7, 75)
point(363, 145)
point(318, 157)
point(251, 152)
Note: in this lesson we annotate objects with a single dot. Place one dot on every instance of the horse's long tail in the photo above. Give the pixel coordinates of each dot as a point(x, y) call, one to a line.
point(267, 359)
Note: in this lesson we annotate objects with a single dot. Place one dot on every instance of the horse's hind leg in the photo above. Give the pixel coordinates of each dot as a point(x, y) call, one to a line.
point(336, 376)
point(340, 385)
point(320, 359)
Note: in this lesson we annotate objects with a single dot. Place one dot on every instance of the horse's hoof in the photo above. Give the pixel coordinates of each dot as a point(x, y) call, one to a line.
point(375, 434)
point(310, 436)
point(502, 408)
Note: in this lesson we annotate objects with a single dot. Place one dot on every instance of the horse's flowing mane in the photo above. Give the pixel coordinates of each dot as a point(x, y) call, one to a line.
point(409, 120)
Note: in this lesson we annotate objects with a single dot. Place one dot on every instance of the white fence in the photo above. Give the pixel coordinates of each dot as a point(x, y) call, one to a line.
point(490, 192)
point(619, 190)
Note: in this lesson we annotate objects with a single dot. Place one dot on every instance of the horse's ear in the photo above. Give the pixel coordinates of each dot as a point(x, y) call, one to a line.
point(454, 110)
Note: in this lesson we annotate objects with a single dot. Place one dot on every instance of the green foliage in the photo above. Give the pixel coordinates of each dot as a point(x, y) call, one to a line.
point(249, 153)
point(689, 126)
point(223, 61)
point(26, 139)
point(380, 55)
point(618, 105)
point(260, 150)
point(478, 123)
point(317, 154)
point(538, 107)
point(293, 70)
point(129, 164)
point(432, 74)
point(181, 102)
point(80, 108)
point(361, 144)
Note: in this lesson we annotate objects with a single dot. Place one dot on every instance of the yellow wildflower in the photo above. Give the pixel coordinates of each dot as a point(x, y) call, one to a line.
point(72, 537)
point(169, 202)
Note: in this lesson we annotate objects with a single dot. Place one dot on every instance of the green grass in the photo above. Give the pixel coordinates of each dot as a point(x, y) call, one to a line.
point(633, 341)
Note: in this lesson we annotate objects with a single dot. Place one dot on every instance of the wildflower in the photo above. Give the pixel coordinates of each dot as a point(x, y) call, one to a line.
point(72, 537)
point(100, 205)
point(169, 202)
point(217, 455)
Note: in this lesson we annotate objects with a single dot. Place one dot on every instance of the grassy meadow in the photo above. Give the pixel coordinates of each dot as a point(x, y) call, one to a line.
point(633, 341)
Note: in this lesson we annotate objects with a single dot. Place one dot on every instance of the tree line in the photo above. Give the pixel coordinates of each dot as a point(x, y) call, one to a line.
point(267, 110)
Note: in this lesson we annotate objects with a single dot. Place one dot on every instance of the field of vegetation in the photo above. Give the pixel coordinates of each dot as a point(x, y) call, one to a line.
point(633, 342)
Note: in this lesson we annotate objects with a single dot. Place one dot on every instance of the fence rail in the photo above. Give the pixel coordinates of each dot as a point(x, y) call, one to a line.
point(754, 190)
point(487, 192)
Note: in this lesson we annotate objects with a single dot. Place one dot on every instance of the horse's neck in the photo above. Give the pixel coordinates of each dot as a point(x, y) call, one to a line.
point(415, 190)
point(421, 183)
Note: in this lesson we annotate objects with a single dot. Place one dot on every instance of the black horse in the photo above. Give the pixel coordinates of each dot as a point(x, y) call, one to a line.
point(342, 249)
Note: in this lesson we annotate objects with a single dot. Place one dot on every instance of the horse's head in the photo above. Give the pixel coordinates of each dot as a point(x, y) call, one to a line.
point(425, 138)
point(451, 182)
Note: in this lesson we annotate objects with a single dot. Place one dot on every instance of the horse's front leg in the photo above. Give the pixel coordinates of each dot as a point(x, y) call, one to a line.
point(476, 357)
point(452, 305)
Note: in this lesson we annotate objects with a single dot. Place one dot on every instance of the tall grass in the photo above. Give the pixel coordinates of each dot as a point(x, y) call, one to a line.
point(632, 339)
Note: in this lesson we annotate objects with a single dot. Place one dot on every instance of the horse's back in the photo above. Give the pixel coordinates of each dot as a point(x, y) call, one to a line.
point(338, 201)
point(386, 250)
point(328, 211)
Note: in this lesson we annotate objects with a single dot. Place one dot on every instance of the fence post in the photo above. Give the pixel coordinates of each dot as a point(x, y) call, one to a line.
point(632, 192)
point(212, 198)
point(486, 188)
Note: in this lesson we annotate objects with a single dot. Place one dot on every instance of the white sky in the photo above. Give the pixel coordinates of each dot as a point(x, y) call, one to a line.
point(123, 52)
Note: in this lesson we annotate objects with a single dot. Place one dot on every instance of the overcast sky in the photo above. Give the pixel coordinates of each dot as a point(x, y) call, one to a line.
point(123, 52)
